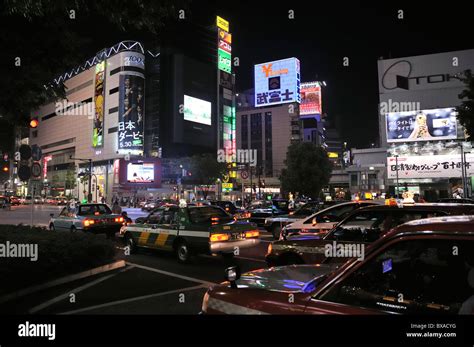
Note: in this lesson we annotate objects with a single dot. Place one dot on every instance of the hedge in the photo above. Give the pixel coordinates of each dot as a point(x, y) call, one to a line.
point(59, 254)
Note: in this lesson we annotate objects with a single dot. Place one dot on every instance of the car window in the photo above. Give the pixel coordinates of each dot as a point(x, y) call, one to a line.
point(413, 276)
point(203, 214)
point(306, 210)
point(64, 212)
point(155, 216)
point(333, 214)
point(366, 226)
point(90, 210)
point(401, 217)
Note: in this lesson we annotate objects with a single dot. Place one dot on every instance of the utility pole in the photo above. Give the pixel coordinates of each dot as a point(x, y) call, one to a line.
point(396, 166)
point(89, 189)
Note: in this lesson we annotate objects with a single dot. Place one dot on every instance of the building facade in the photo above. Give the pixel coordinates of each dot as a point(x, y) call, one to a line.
point(426, 146)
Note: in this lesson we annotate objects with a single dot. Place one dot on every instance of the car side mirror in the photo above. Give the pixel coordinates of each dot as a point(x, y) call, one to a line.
point(232, 274)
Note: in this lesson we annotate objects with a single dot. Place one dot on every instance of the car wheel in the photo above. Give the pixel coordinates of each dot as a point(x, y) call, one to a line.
point(51, 227)
point(276, 231)
point(130, 242)
point(290, 259)
point(182, 253)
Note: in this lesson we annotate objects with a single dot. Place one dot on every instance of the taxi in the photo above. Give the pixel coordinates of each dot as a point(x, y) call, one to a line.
point(190, 230)
point(360, 228)
point(407, 271)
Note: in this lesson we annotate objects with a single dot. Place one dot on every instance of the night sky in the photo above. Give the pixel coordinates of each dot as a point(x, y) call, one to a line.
point(320, 36)
point(322, 33)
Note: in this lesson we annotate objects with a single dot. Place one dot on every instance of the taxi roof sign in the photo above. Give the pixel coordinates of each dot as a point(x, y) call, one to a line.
point(222, 23)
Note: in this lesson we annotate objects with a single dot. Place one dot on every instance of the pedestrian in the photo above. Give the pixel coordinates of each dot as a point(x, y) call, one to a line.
point(102, 200)
point(116, 209)
point(127, 220)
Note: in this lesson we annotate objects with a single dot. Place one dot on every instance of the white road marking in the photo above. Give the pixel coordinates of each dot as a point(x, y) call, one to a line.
point(171, 274)
point(143, 297)
point(75, 291)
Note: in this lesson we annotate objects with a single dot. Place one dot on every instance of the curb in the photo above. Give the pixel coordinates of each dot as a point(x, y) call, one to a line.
point(69, 278)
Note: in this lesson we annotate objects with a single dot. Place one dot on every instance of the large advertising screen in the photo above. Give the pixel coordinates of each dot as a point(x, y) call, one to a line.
point(429, 166)
point(425, 125)
point(99, 102)
point(140, 172)
point(310, 98)
point(197, 110)
point(131, 113)
point(277, 82)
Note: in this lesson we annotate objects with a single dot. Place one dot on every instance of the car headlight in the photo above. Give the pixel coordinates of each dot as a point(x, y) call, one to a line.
point(205, 301)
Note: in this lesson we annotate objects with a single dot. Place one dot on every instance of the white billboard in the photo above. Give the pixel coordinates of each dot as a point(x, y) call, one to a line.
point(277, 82)
point(197, 110)
point(426, 166)
point(424, 125)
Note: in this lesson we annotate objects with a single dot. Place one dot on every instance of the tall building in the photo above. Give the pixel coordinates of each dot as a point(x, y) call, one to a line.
point(426, 145)
point(129, 110)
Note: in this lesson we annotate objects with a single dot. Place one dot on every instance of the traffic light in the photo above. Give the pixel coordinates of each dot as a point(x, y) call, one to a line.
point(5, 168)
point(34, 122)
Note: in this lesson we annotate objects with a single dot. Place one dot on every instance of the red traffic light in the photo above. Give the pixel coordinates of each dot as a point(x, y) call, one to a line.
point(34, 123)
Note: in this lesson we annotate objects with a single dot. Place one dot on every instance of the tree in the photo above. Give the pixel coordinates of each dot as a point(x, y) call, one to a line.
point(466, 109)
point(42, 39)
point(307, 171)
point(205, 170)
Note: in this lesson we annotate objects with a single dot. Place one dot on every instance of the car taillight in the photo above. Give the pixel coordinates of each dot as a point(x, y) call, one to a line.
point(214, 220)
point(88, 222)
point(252, 233)
point(219, 237)
point(119, 220)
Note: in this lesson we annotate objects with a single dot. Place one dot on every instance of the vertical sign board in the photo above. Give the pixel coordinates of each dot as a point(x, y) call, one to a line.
point(131, 111)
point(310, 98)
point(99, 106)
point(226, 90)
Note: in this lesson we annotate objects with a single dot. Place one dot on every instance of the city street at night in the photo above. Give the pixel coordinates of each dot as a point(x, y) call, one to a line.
point(217, 172)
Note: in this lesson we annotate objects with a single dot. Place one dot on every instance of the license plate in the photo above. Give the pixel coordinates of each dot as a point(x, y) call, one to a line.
point(238, 236)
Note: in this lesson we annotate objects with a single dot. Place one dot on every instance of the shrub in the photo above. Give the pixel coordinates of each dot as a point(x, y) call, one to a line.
point(59, 254)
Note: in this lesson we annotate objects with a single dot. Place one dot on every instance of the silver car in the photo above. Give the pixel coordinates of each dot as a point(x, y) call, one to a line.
point(94, 218)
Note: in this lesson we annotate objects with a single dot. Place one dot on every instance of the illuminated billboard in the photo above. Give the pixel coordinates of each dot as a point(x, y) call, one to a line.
point(277, 82)
point(425, 125)
point(224, 60)
point(131, 112)
point(222, 23)
point(197, 110)
point(310, 98)
point(429, 166)
point(140, 172)
point(99, 103)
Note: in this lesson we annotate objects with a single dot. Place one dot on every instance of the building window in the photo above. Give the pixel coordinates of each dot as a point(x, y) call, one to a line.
point(244, 132)
point(268, 145)
point(35, 133)
point(256, 135)
point(354, 181)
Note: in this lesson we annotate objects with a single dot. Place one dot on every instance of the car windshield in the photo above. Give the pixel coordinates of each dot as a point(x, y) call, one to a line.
point(203, 214)
point(90, 210)
point(363, 227)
